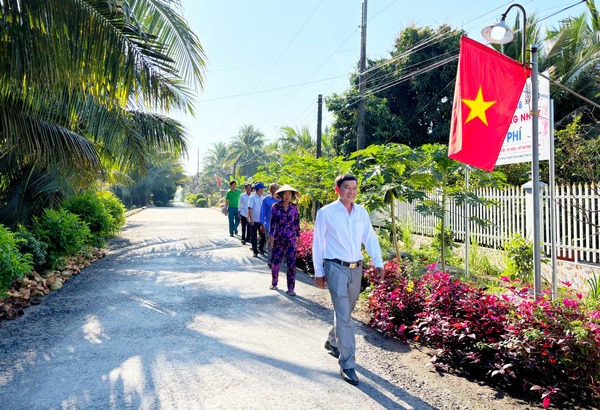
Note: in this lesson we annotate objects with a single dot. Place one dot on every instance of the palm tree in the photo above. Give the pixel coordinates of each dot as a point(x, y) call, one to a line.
point(216, 162)
point(572, 57)
point(81, 80)
point(297, 140)
point(245, 150)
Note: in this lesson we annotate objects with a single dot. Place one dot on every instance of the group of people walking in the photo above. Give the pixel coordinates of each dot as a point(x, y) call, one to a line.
point(271, 223)
point(341, 229)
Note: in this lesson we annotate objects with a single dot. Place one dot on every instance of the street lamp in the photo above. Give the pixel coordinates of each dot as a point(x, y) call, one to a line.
point(499, 33)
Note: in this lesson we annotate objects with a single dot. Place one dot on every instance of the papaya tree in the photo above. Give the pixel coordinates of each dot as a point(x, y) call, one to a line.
point(445, 177)
point(383, 171)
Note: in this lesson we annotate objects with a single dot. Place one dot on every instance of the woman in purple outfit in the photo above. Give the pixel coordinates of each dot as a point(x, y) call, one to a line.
point(283, 235)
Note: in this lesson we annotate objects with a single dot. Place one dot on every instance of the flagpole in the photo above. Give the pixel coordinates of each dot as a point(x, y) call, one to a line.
point(552, 184)
point(535, 175)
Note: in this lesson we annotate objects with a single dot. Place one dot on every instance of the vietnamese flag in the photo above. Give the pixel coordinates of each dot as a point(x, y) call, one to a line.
point(488, 88)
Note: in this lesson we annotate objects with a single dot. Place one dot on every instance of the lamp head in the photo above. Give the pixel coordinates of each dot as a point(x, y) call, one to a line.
point(498, 33)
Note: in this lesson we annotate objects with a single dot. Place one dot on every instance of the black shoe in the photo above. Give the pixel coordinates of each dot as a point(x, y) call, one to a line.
point(231, 234)
point(255, 255)
point(332, 350)
point(350, 376)
point(270, 265)
point(243, 242)
point(262, 252)
point(236, 231)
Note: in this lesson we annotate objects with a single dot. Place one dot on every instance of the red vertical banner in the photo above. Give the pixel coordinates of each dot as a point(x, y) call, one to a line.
point(487, 91)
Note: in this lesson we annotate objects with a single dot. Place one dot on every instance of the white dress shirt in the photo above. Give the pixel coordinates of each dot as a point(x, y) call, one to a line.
point(255, 202)
point(339, 235)
point(244, 204)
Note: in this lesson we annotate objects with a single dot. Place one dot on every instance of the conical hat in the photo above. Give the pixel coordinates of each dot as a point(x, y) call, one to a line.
point(286, 187)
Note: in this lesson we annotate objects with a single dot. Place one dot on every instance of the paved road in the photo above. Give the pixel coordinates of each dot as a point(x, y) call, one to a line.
point(179, 316)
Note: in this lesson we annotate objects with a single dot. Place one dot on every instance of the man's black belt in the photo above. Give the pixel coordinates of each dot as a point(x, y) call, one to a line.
point(350, 265)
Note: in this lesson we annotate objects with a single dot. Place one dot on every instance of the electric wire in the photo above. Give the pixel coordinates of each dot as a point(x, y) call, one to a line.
point(274, 64)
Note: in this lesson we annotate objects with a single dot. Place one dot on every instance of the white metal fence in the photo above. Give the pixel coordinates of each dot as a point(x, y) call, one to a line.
point(577, 223)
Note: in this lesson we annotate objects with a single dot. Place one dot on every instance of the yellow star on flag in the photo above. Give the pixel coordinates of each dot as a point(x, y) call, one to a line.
point(478, 107)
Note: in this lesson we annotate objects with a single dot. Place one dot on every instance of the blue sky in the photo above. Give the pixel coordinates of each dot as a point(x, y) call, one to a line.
point(269, 59)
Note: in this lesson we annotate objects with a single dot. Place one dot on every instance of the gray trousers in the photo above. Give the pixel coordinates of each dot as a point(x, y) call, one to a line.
point(344, 288)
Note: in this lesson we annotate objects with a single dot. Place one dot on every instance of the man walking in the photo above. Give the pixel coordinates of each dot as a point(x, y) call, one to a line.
point(254, 206)
point(244, 213)
point(232, 201)
point(340, 229)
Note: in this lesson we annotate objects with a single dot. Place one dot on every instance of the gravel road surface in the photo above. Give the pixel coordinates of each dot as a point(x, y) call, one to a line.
point(179, 315)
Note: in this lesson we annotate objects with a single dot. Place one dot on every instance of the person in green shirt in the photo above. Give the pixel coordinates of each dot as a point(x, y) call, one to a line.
point(232, 201)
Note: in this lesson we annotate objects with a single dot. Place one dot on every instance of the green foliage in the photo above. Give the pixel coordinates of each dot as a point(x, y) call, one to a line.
point(13, 264)
point(444, 177)
point(63, 231)
point(116, 210)
point(384, 171)
point(480, 266)
point(577, 154)
point(198, 200)
point(91, 210)
point(443, 239)
point(406, 228)
point(594, 288)
point(519, 253)
point(29, 244)
point(407, 111)
point(313, 177)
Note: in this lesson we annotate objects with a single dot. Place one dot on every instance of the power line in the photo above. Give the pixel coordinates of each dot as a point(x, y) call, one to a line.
point(273, 66)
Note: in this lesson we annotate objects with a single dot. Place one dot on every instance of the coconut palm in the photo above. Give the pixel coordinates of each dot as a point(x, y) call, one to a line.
point(80, 80)
point(297, 140)
point(572, 57)
point(216, 162)
point(245, 150)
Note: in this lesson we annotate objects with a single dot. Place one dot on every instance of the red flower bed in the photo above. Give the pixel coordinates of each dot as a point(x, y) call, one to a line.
point(304, 251)
point(550, 349)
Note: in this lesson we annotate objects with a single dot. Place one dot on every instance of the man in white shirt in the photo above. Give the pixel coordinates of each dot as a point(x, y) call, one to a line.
point(254, 206)
point(244, 213)
point(340, 229)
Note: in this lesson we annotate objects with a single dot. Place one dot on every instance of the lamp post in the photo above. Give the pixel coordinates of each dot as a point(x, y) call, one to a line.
point(499, 33)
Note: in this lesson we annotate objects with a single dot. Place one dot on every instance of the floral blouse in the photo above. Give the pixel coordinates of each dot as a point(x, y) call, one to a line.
point(285, 224)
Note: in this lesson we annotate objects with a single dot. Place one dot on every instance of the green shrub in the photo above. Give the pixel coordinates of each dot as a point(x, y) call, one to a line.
point(519, 253)
point(13, 264)
point(63, 231)
point(90, 209)
point(33, 246)
point(116, 210)
point(201, 203)
point(194, 198)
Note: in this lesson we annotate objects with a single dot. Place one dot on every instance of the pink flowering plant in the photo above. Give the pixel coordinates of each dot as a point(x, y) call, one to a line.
point(304, 251)
point(549, 349)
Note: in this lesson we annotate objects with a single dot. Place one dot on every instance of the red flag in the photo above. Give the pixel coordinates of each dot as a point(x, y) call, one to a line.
point(488, 87)
point(219, 181)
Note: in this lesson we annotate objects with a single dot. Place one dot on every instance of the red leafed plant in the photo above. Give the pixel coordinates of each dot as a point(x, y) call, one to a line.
point(304, 251)
point(548, 348)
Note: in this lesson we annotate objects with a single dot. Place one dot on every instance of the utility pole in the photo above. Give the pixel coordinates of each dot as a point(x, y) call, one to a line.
point(319, 118)
point(362, 79)
point(198, 165)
